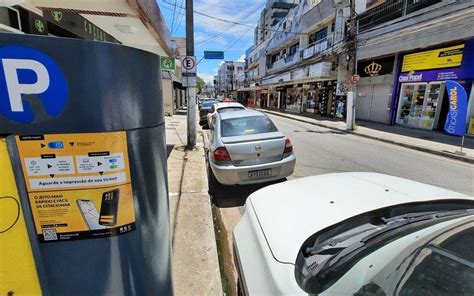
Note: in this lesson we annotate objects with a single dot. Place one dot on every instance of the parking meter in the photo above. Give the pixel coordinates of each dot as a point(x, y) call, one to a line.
point(83, 188)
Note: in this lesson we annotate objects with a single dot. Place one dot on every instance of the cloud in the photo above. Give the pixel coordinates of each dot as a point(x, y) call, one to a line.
point(241, 59)
point(206, 77)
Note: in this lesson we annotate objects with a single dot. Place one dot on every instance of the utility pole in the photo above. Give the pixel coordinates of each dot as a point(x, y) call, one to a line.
point(351, 48)
point(190, 90)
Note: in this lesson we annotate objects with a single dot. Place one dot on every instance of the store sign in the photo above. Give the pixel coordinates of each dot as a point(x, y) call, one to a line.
point(27, 71)
point(375, 67)
point(167, 63)
point(447, 57)
point(456, 119)
point(77, 24)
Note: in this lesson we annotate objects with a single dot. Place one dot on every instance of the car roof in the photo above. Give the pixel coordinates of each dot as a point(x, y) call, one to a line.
point(228, 104)
point(240, 113)
point(208, 103)
point(292, 211)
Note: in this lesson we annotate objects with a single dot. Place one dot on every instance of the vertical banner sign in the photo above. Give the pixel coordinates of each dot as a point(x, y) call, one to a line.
point(78, 185)
point(456, 120)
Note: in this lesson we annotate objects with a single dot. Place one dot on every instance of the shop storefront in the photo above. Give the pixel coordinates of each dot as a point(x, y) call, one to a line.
point(294, 98)
point(422, 101)
point(273, 98)
point(374, 90)
point(318, 98)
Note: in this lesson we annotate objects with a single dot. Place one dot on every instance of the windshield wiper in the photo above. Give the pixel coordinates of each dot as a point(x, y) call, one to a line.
point(371, 231)
point(325, 262)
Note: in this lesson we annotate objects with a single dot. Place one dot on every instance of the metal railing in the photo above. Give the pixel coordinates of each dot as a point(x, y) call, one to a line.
point(390, 10)
point(317, 47)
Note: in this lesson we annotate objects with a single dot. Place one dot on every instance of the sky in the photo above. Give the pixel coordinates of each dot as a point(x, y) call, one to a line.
point(213, 34)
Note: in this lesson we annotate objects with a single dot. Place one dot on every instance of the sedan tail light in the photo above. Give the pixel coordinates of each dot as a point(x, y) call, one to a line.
point(288, 148)
point(221, 154)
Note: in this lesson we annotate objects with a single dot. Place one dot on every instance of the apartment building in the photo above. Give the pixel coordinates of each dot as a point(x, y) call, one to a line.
point(230, 77)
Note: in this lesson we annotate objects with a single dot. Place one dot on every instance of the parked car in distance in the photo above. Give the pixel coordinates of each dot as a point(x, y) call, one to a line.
point(204, 110)
point(202, 100)
point(355, 234)
point(222, 107)
point(246, 147)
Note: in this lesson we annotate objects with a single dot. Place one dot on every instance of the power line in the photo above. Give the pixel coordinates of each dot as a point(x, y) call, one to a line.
point(180, 19)
point(225, 7)
point(234, 22)
point(174, 15)
point(225, 30)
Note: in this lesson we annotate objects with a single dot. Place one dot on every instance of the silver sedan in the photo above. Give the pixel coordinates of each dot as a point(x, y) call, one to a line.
point(246, 148)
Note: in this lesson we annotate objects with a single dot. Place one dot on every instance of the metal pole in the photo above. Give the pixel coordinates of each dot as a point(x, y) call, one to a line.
point(190, 90)
point(462, 143)
point(351, 52)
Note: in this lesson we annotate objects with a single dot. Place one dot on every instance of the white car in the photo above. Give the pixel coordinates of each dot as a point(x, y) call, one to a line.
point(355, 234)
point(222, 107)
point(246, 147)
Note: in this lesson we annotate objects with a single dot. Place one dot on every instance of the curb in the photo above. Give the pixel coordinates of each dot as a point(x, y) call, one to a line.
point(414, 147)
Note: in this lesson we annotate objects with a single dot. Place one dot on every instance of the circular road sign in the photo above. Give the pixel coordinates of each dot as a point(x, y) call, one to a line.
point(189, 63)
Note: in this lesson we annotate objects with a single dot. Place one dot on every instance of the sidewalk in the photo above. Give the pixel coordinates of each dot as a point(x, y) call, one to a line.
point(426, 141)
point(194, 253)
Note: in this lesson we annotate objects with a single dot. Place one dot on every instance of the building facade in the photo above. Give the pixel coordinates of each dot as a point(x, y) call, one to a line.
point(230, 77)
point(406, 56)
point(405, 52)
point(302, 67)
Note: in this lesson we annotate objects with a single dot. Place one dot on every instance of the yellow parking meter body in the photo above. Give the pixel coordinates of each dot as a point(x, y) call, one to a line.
point(17, 265)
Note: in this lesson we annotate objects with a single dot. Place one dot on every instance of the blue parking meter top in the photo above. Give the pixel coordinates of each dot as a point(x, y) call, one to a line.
point(62, 85)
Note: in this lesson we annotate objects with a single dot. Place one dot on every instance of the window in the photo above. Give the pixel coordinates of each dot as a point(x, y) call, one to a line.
point(294, 48)
point(247, 126)
point(321, 34)
point(226, 109)
point(239, 69)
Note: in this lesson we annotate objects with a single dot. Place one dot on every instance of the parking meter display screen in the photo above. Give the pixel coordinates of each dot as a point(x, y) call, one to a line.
point(78, 185)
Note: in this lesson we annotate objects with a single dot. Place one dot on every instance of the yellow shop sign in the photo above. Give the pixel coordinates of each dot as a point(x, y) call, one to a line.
point(447, 57)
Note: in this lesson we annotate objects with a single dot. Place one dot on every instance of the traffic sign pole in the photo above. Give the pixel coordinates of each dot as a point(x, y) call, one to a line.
point(190, 90)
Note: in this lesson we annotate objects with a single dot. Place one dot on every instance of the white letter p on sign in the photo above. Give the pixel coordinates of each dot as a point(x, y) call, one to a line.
point(15, 89)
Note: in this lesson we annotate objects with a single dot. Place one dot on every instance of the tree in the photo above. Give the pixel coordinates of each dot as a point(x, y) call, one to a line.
point(200, 84)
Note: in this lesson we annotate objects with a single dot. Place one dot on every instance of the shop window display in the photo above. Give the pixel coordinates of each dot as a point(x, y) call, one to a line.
point(419, 104)
point(294, 98)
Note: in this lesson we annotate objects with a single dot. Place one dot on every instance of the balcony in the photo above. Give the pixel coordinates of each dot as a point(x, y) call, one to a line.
point(390, 10)
point(283, 62)
point(317, 47)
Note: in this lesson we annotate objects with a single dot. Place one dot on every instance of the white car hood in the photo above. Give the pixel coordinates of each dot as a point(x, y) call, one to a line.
point(292, 211)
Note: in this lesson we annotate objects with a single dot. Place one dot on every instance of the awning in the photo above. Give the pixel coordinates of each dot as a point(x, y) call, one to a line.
point(171, 76)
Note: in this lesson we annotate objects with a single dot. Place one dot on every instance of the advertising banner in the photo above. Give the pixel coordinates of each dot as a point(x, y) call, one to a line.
point(456, 120)
point(447, 57)
point(78, 185)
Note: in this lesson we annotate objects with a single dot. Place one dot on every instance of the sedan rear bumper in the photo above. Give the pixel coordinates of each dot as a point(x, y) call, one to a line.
point(232, 175)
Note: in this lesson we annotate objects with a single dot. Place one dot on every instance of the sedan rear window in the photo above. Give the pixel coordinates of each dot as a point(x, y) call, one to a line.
point(247, 126)
point(225, 109)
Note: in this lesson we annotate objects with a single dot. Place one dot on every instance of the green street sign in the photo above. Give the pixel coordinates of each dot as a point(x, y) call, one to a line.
point(168, 64)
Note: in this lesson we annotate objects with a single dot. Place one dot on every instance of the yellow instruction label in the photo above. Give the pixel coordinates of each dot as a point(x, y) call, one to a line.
point(78, 185)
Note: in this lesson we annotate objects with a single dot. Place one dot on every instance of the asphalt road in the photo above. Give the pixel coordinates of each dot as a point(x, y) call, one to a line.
point(320, 151)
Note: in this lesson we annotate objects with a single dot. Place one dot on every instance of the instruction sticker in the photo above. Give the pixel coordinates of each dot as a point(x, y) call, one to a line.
point(78, 185)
